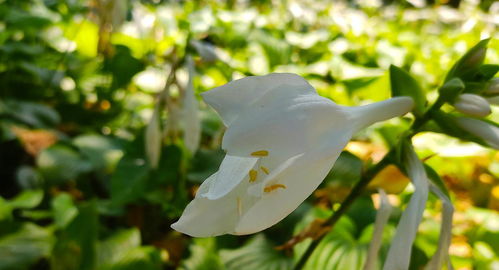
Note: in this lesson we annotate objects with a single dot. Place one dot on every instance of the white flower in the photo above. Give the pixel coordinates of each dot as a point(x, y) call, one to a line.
point(384, 211)
point(473, 105)
point(487, 132)
point(190, 112)
point(281, 141)
point(399, 253)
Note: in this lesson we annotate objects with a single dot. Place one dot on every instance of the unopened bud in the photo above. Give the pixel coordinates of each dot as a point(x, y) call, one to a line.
point(473, 105)
point(485, 131)
point(472, 60)
point(493, 87)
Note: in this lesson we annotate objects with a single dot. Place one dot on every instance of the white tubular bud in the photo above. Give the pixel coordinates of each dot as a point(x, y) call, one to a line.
point(487, 132)
point(493, 87)
point(473, 105)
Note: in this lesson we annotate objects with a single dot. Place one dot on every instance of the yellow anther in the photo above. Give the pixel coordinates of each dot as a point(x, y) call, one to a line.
point(252, 175)
point(264, 169)
point(270, 188)
point(261, 153)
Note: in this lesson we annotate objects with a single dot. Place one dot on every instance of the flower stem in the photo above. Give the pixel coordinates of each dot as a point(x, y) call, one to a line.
point(366, 177)
point(356, 191)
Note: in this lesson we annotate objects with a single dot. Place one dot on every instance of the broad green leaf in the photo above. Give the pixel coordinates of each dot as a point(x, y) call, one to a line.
point(203, 255)
point(60, 163)
point(122, 251)
point(24, 247)
point(27, 199)
point(64, 210)
point(403, 84)
point(29, 113)
point(257, 254)
point(103, 152)
point(76, 244)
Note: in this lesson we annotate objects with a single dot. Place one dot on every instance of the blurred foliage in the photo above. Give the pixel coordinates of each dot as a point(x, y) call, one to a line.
point(79, 81)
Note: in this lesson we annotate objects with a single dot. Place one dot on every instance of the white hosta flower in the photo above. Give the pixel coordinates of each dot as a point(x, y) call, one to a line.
point(473, 105)
point(487, 132)
point(153, 138)
point(399, 253)
point(382, 216)
point(442, 254)
point(190, 112)
point(282, 139)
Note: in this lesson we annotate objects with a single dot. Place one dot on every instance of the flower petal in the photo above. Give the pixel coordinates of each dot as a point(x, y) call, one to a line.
point(382, 217)
point(235, 97)
point(399, 253)
point(288, 129)
point(442, 253)
point(232, 171)
point(300, 177)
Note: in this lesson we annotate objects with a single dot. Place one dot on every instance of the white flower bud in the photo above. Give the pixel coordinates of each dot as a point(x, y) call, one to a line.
point(473, 105)
point(493, 87)
point(487, 132)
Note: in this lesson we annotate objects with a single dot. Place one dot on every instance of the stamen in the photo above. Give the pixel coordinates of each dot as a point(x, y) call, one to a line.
point(264, 169)
point(261, 153)
point(252, 175)
point(239, 207)
point(270, 188)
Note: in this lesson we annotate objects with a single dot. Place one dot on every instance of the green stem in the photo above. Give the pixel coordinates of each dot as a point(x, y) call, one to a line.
point(366, 177)
point(356, 191)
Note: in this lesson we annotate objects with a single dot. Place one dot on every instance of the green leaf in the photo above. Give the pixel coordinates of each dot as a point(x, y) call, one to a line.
point(29, 113)
point(203, 255)
point(346, 169)
point(451, 89)
point(470, 62)
point(487, 72)
point(24, 247)
point(122, 251)
point(123, 66)
point(103, 152)
point(27, 199)
point(129, 179)
point(60, 163)
point(435, 179)
point(64, 210)
point(403, 84)
point(76, 245)
point(258, 254)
